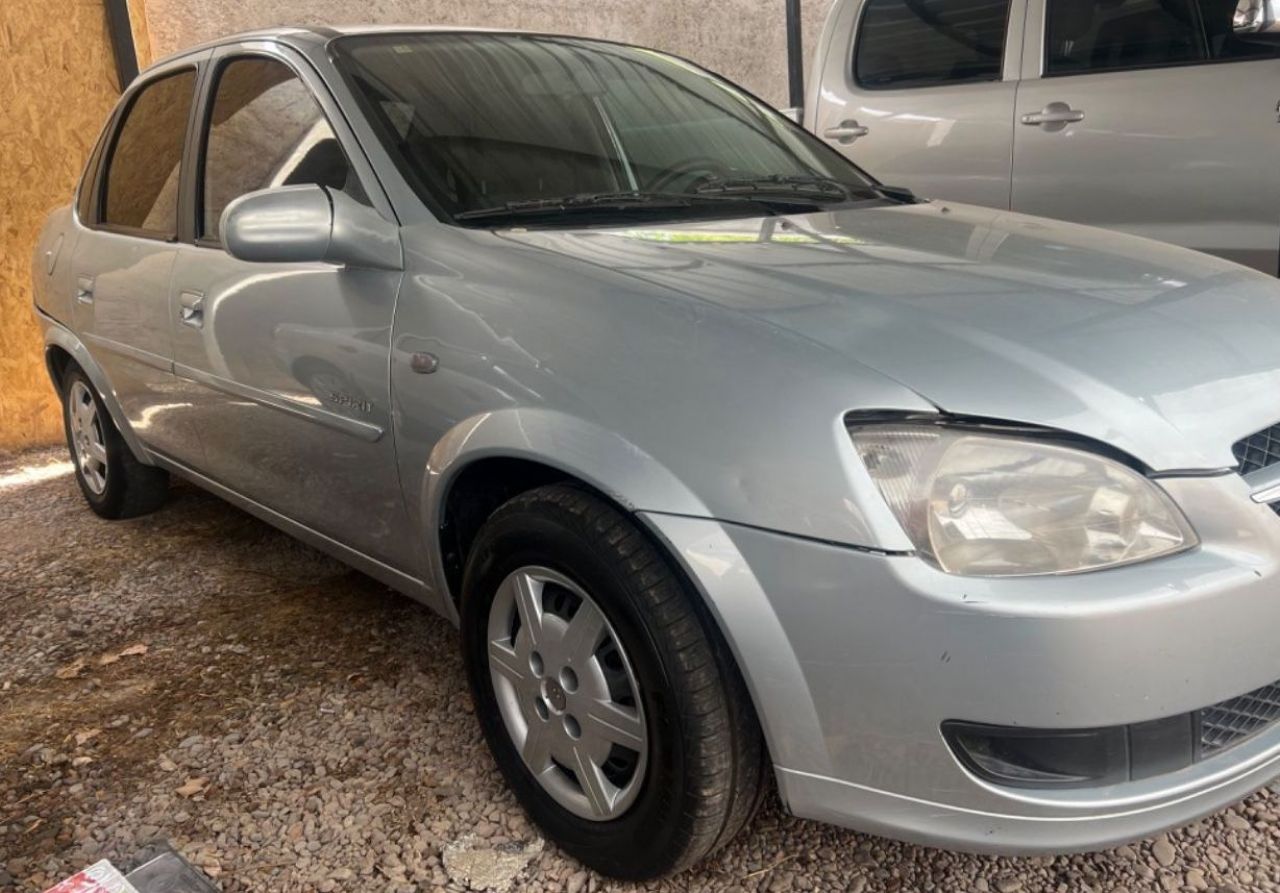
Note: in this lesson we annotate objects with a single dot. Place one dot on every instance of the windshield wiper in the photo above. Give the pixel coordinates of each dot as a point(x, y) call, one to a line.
point(896, 194)
point(595, 201)
point(808, 187)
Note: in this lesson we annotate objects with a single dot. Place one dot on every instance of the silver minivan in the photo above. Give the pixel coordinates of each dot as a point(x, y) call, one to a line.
point(1155, 117)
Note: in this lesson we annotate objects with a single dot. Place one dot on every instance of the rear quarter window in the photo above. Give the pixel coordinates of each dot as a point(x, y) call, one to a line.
point(140, 185)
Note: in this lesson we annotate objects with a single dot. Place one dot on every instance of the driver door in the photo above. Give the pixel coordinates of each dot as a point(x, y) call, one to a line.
point(285, 366)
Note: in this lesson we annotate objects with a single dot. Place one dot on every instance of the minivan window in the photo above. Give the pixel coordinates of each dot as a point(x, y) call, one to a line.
point(1106, 35)
point(140, 188)
point(1223, 43)
point(477, 122)
point(926, 43)
point(266, 129)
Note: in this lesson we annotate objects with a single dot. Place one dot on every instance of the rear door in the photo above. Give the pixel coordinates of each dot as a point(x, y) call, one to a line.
point(285, 366)
point(124, 257)
point(920, 93)
point(1150, 116)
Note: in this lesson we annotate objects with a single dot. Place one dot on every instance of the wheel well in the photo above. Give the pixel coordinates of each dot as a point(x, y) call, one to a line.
point(58, 361)
point(477, 491)
point(483, 486)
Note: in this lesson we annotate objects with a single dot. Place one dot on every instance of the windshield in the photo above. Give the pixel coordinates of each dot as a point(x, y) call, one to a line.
point(490, 126)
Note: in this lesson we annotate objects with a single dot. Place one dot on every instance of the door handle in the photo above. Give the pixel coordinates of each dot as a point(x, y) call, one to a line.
point(845, 132)
point(84, 289)
point(191, 309)
point(1055, 113)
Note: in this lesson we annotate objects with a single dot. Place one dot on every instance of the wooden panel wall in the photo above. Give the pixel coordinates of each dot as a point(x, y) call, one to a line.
point(57, 84)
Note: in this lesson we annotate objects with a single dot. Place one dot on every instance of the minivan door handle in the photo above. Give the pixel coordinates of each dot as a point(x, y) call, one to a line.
point(845, 132)
point(1054, 116)
point(84, 289)
point(191, 309)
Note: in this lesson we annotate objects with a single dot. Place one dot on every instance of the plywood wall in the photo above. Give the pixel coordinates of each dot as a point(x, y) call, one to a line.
point(57, 84)
point(742, 39)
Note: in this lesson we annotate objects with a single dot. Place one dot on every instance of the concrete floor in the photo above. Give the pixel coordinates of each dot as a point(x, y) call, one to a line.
point(289, 724)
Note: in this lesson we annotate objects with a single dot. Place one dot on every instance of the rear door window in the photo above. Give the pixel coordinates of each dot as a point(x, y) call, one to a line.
point(140, 189)
point(926, 43)
point(266, 129)
point(1111, 35)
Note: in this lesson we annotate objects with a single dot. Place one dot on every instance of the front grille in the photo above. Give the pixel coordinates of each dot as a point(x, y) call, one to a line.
point(1260, 450)
point(1234, 720)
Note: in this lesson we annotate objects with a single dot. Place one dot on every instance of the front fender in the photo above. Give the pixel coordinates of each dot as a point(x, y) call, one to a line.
point(56, 335)
point(603, 459)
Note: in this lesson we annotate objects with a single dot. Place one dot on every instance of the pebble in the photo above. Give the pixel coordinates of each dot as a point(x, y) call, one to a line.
point(1236, 822)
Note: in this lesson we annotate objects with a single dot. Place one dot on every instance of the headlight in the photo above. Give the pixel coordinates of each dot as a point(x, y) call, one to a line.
point(991, 505)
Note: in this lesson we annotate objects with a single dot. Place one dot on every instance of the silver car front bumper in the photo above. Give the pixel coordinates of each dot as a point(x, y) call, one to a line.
point(855, 659)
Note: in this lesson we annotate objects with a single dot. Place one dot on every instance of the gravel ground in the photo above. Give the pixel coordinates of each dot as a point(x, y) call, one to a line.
point(289, 724)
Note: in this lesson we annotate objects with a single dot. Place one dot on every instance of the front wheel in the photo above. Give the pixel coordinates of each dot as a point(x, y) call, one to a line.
point(607, 697)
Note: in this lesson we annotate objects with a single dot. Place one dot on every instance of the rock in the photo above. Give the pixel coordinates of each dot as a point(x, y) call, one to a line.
point(482, 867)
point(1164, 852)
point(1236, 822)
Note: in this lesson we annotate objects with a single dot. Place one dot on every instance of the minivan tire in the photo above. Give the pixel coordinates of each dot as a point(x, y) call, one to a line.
point(705, 760)
point(114, 483)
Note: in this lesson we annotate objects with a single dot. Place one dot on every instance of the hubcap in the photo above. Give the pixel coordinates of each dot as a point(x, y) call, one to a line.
point(86, 438)
point(567, 694)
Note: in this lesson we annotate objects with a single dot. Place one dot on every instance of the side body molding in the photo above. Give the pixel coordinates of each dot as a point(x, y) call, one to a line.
point(603, 459)
point(58, 335)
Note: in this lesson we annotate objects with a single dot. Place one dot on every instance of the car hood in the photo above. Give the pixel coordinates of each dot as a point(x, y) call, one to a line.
point(1164, 353)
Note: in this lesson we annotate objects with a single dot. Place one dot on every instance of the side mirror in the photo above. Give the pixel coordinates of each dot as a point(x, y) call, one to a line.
point(1257, 19)
point(298, 224)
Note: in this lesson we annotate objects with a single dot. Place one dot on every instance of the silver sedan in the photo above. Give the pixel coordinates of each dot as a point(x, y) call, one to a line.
point(730, 463)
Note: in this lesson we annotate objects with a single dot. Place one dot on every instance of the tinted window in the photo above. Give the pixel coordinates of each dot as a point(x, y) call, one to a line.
point(141, 187)
point(479, 120)
point(265, 130)
point(917, 43)
point(1101, 35)
point(1223, 43)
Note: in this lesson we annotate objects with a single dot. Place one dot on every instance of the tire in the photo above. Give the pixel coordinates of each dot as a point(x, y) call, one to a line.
point(698, 776)
point(114, 483)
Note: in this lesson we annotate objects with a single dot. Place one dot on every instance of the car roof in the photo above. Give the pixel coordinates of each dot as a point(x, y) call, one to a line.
point(312, 34)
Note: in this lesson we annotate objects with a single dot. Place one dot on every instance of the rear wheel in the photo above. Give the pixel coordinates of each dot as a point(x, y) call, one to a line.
point(607, 697)
point(113, 481)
